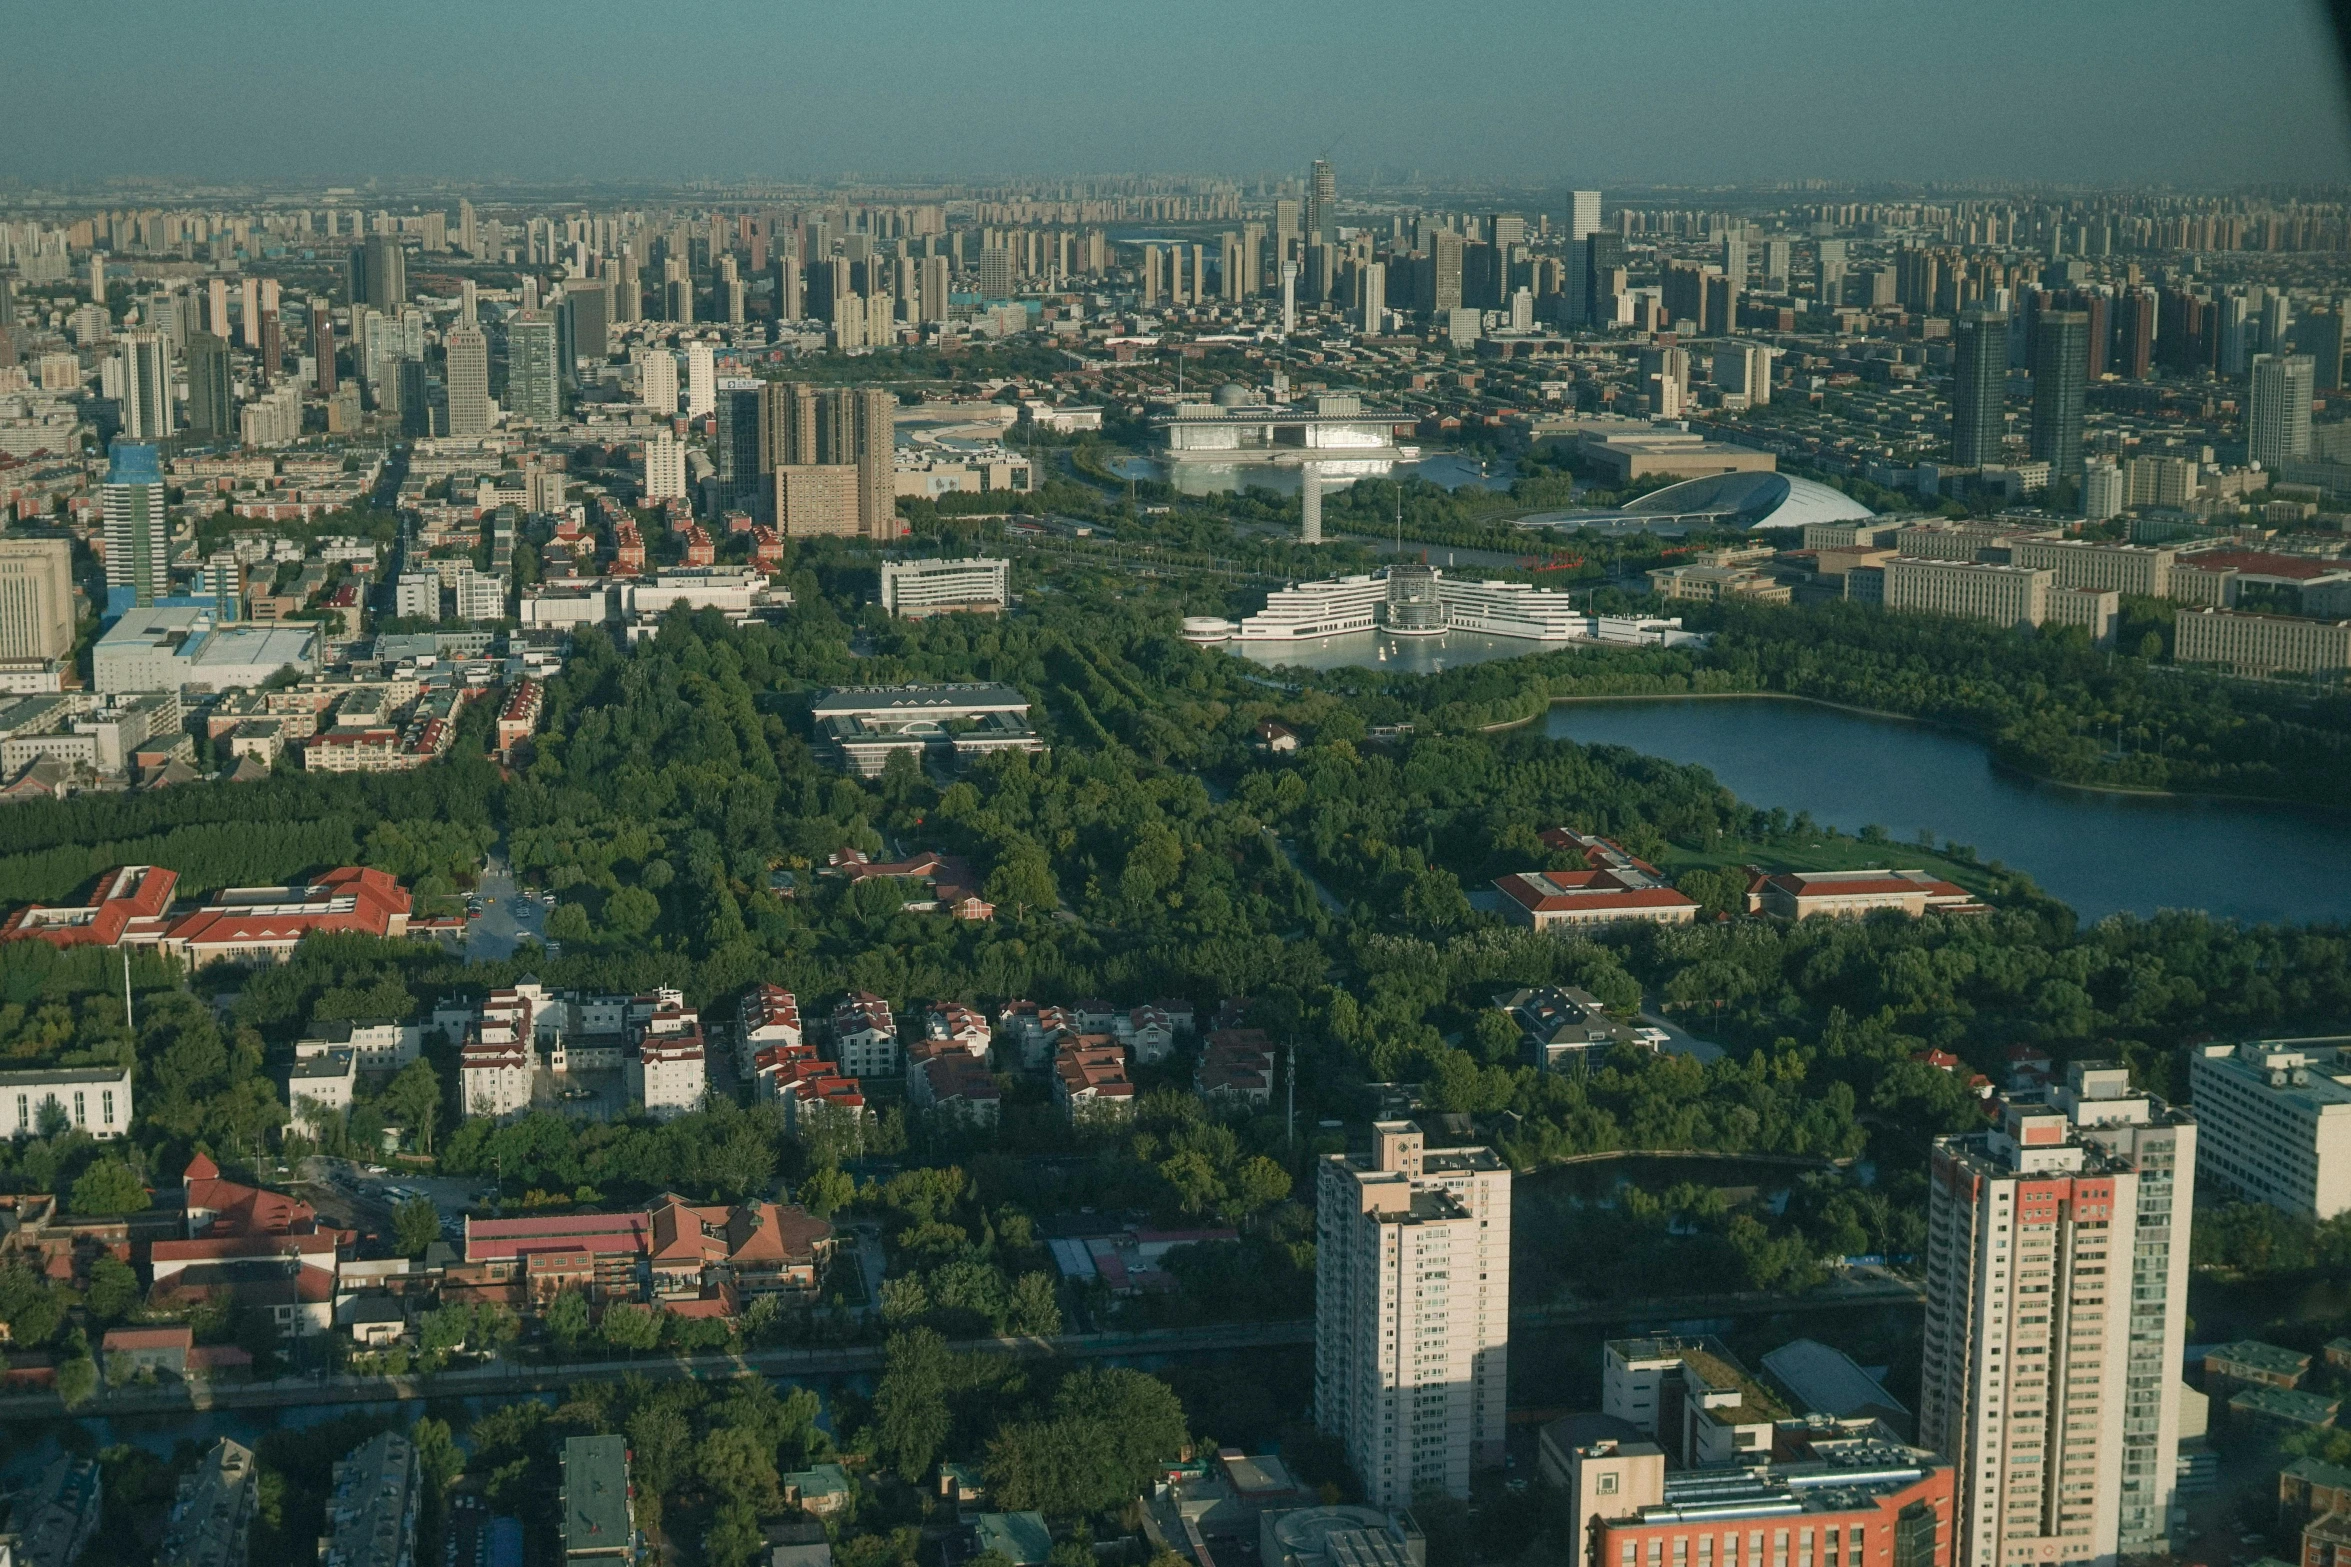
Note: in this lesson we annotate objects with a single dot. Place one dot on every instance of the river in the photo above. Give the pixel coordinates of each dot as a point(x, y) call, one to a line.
point(2101, 853)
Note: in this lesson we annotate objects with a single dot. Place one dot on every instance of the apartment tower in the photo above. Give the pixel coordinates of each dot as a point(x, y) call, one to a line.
point(2057, 1258)
point(1412, 1311)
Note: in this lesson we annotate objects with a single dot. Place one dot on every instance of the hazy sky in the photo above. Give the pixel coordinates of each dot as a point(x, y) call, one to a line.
point(1570, 92)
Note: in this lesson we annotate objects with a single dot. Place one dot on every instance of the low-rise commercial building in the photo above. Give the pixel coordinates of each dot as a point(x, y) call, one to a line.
point(863, 726)
point(1850, 894)
point(319, 1088)
point(2277, 1118)
point(1849, 1500)
point(171, 647)
point(915, 588)
point(1683, 454)
point(1613, 887)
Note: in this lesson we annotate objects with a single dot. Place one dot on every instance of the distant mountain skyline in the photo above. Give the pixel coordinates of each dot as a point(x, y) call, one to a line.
point(1589, 92)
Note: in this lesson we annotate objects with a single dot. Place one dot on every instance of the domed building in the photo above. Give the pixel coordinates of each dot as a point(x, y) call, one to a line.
point(1750, 500)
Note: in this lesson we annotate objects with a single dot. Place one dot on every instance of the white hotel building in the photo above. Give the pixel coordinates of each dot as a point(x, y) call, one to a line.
point(1422, 601)
point(2277, 1114)
point(2057, 1284)
point(1412, 1312)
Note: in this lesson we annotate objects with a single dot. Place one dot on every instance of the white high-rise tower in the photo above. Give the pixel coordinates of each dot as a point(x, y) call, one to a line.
point(701, 380)
point(1412, 1311)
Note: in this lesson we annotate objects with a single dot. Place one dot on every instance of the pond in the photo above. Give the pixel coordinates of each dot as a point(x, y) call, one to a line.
point(2101, 853)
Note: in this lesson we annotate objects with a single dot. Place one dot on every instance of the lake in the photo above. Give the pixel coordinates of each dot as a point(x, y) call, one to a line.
point(1200, 478)
point(2100, 853)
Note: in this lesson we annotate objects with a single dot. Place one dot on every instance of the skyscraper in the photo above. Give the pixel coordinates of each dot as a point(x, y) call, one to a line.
point(582, 322)
point(735, 449)
point(2278, 423)
point(212, 412)
point(1979, 384)
point(1371, 296)
point(1412, 1311)
point(1322, 205)
point(469, 379)
point(1445, 260)
point(379, 272)
point(416, 406)
point(533, 390)
point(2061, 382)
point(36, 597)
point(875, 424)
point(138, 529)
point(701, 379)
point(1285, 230)
point(1583, 221)
point(1603, 256)
point(144, 366)
point(322, 347)
point(2048, 1381)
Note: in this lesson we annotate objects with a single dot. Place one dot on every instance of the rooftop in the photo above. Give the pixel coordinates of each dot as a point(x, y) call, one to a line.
point(596, 1496)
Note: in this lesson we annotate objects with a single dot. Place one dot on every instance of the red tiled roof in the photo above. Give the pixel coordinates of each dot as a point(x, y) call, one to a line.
point(179, 1337)
point(128, 892)
point(1557, 891)
point(502, 1239)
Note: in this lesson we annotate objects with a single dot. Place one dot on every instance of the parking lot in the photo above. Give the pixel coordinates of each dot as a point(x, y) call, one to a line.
point(363, 1196)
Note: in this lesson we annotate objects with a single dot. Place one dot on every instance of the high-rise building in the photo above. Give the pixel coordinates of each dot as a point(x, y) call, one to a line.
point(468, 375)
point(1446, 255)
point(816, 500)
point(416, 406)
point(379, 272)
point(212, 412)
point(701, 379)
point(1603, 253)
point(533, 388)
point(583, 325)
point(736, 449)
point(1829, 262)
point(874, 421)
point(138, 527)
point(787, 423)
point(2278, 423)
point(144, 366)
point(36, 597)
point(469, 236)
point(1745, 369)
point(2103, 489)
point(2057, 1282)
point(2061, 383)
point(1285, 230)
point(322, 347)
point(665, 467)
point(1371, 296)
point(1412, 1312)
point(1583, 221)
point(1322, 205)
point(1979, 385)
point(657, 380)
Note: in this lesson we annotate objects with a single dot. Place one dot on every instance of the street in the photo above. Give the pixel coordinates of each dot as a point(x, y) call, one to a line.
point(507, 916)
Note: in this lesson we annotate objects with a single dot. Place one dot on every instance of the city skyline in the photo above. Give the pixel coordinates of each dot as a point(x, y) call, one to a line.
point(1824, 90)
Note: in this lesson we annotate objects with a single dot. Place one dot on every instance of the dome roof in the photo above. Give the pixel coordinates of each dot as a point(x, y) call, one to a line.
point(1753, 500)
point(1231, 395)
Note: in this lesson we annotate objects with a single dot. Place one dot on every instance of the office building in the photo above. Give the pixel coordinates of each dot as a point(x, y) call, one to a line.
point(1371, 297)
point(583, 325)
point(212, 409)
point(372, 1513)
point(481, 596)
point(138, 527)
point(665, 467)
point(2061, 382)
point(143, 363)
point(2275, 1122)
point(1744, 370)
point(1322, 204)
point(36, 597)
point(2140, 569)
point(2278, 424)
point(533, 388)
point(598, 1523)
point(2049, 1383)
point(1412, 1312)
point(736, 442)
point(1446, 256)
point(916, 588)
point(1285, 230)
point(2103, 489)
point(1979, 386)
point(2260, 644)
point(322, 347)
point(416, 595)
point(379, 273)
point(92, 1099)
point(469, 380)
point(211, 1518)
point(701, 380)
